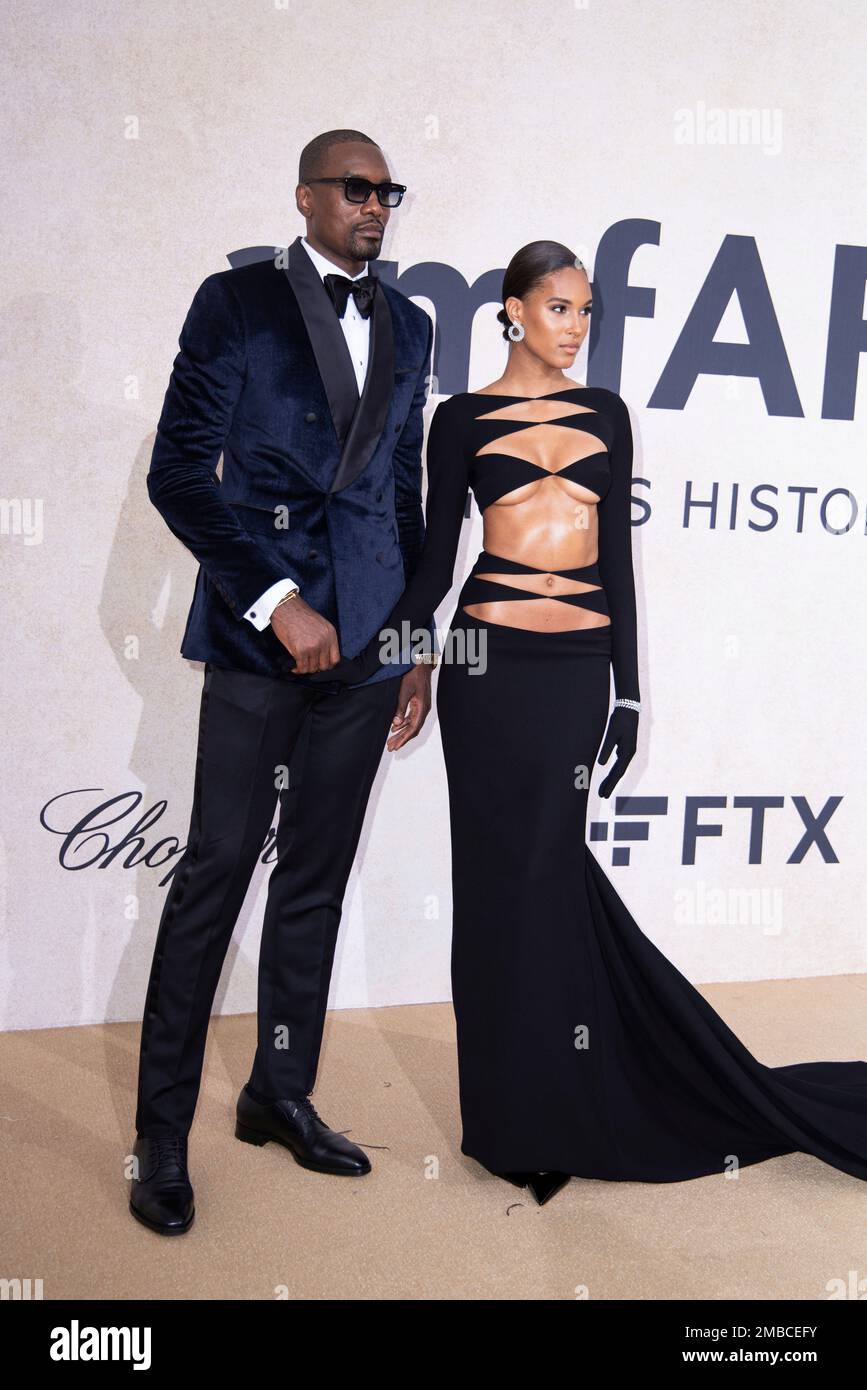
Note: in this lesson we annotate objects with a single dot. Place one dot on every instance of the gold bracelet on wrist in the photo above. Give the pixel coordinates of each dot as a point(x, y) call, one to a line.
point(293, 593)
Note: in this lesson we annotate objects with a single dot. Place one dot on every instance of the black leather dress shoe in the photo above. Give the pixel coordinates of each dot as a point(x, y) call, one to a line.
point(161, 1196)
point(296, 1125)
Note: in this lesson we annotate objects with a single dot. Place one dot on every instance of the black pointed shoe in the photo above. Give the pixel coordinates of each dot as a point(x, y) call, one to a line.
point(296, 1125)
point(161, 1196)
point(544, 1185)
point(516, 1179)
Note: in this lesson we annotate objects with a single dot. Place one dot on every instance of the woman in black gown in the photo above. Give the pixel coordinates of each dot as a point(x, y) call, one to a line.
point(581, 1049)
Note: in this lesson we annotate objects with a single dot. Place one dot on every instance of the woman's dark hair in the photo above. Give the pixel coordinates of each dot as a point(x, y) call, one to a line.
point(528, 268)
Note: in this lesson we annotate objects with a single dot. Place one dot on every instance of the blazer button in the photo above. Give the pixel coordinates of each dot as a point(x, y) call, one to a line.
point(379, 497)
point(310, 417)
point(379, 556)
point(313, 555)
point(398, 428)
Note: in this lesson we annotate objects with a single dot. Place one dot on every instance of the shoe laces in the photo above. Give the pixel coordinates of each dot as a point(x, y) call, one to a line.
point(171, 1148)
point(307, 1104)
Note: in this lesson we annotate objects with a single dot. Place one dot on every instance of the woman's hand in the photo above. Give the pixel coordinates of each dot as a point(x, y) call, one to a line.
point(622, 731)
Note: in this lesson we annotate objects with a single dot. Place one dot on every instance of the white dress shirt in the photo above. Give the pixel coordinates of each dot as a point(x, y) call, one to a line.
point(356, 331)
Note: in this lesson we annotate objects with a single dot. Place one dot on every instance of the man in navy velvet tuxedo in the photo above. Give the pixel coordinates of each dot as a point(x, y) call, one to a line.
point(309, 376)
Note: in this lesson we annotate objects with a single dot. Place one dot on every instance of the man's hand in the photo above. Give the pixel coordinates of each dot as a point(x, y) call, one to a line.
point(306, 635)
point(413, 706)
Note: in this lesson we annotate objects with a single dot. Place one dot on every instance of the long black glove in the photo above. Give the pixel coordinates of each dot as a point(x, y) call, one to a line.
point(622, 731)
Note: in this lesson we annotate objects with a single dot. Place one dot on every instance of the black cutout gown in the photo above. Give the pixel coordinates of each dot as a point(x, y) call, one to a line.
point(581, 1048)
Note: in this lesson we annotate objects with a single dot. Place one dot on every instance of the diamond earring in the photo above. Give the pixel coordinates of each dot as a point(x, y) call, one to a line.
point(516, 331)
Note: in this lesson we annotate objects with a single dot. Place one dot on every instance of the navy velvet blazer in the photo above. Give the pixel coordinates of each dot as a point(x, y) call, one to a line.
point(317, 483)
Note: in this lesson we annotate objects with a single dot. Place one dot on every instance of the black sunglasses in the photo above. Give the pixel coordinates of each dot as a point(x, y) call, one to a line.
point(357, 190)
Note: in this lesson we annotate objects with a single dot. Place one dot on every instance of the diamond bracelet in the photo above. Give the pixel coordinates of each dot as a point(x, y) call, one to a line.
point(629, 704)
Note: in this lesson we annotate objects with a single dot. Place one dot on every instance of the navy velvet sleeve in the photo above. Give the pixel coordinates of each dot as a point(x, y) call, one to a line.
point(615, 558)
point(406, 463)
point(447, 484)
point(206, 382)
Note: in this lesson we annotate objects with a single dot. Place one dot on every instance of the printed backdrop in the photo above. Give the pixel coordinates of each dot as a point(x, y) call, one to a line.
point(708, 163)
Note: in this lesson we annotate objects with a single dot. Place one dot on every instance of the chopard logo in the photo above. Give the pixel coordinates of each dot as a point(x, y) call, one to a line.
point(115, 830)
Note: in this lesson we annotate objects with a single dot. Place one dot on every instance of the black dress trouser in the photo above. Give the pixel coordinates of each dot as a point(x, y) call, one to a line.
point(251, 728)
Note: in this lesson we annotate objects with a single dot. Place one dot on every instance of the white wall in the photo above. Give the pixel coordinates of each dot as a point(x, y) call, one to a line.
point(143, 145)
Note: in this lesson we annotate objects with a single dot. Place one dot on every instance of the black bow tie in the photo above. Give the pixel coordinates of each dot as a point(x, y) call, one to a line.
point(340, 287)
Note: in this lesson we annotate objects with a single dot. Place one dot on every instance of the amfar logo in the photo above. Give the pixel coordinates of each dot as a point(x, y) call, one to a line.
point(698, 349)
point(77, 1343)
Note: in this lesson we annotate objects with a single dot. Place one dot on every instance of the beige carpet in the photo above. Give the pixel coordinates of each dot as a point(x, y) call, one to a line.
point(427, 1223)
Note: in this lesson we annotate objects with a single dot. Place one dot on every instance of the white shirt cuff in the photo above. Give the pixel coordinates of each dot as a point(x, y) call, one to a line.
point(260, 613)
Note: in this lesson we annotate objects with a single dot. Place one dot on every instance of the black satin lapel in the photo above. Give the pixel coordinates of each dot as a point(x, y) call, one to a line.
point(372, 410)
point(326, 335)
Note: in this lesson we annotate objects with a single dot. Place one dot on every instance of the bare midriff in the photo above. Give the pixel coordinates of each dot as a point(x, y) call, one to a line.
point(548, 523)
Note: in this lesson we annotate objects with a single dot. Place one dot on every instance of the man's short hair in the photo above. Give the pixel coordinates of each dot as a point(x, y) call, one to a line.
point(312, 158)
